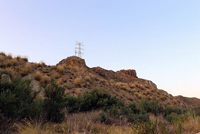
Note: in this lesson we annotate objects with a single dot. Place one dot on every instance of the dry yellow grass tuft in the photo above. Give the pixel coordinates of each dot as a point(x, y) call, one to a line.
point(9, 56)
point(56, 75)
point(139, 85)
point(2, 58)
point(41, 64)
point(38, 75)
point(153, 90)
point(14, 61)
point(60, 69)
point(11, 71)
point(45, 79)
point(59, 81)
point(78, 92)
point(88, 79)
point(138, 95)
point(25, 59)
point(133, 85)
point(123, 86)
point(78, 81)
point(53, 67)
point(26, 127)
point(148, 92)
point(162, 98)
point(26, 69)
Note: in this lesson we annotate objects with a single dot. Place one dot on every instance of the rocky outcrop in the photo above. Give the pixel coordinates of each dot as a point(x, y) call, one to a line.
point(108, 74)
point(129, 72)
point(73, 61)
point(190, 102)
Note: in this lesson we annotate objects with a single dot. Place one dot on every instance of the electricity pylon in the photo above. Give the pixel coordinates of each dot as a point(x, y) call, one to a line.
point(78, 49)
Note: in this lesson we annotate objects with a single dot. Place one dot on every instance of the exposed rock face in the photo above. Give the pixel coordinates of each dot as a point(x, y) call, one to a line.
point(108, 74)
point(149, 83)
point(73, 61)
point(191, 102)
point(130, 72)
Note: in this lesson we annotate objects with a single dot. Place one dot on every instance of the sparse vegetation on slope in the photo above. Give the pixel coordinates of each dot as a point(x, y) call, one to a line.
point(72, 98)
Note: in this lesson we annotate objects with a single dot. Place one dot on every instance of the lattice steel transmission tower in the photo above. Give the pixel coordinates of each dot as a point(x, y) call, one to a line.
point(78, 49)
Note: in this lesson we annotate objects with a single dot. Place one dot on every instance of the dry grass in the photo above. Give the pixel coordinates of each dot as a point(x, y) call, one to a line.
point(33, 128)
point(11, 71)
point(148, 92)
point(153, 90)
point(163, 98)
point(78, 92)
point(14, 61)
point(80, 123)
point(6, 63)
point(149, 97)
point(60, 69)
point(146, 85)
point(2, 53)
point(56, 75)
point(138, 95)
point(191, 125)
point(2, 58)
point(9, 56)
point(59, 81)
point(38, 75)
point(25, 59)
point(18, 57)
point(78, 81)
point(53, 67)
point(111, 81)
point(139, 85)
point(89, 123)
point(123, 86)
point(88, 79)
point(41, 64)
point(133, 85)
point(26, 69)
point(44, 79)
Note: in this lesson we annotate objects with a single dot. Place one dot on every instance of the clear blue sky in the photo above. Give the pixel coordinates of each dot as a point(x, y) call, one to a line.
point(159, 39)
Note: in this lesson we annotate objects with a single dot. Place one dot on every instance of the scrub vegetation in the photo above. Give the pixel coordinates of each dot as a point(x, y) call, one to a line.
point(72, 98)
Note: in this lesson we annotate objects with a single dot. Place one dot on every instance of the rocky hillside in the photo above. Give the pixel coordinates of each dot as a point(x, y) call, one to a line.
point(77, 77)
point(191, 102)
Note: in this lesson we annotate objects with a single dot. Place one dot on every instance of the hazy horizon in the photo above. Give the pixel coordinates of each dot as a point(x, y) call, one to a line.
point(159, 39)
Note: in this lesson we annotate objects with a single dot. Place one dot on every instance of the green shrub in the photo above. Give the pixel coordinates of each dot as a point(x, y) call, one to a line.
point(17, 99)
point(130, 112)
point(104, 118)
point(167, 110)
point(54, 102)
point(97, 99)
point(151, 106)
point(172, 118)
point(72, 104)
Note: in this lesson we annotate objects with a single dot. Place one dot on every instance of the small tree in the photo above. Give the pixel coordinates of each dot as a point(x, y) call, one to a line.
point(17, 99)
point(54, 102)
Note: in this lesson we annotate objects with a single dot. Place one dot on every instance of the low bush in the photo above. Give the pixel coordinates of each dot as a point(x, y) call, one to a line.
point(172, 118)
point(54, 102)
point(151, 106)
point(17, 99)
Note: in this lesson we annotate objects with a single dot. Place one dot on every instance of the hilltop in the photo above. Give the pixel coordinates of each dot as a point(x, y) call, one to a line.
point(77, 77)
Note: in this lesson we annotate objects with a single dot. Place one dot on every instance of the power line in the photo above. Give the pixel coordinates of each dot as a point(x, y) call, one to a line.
point(78, 49)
